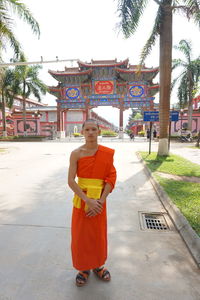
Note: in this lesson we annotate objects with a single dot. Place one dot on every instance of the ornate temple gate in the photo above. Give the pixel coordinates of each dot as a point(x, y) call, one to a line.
point(103, 83)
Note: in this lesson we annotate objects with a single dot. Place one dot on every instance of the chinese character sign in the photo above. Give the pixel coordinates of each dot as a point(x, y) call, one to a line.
point(104, 87)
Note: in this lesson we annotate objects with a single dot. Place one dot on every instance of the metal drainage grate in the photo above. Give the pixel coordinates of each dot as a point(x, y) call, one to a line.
point(154, 221)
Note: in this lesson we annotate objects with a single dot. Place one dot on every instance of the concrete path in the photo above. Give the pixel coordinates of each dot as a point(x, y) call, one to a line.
point(35, 215)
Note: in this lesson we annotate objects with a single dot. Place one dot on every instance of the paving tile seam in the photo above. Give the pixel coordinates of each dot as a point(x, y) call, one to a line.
point(41, 226)
point(110, 232)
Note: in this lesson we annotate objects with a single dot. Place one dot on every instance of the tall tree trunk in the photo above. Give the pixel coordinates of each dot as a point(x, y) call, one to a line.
point(4, 115)
point(165, 77)
point(190, 103)
point(190, 112)
point(198, 139)
point(24, 110)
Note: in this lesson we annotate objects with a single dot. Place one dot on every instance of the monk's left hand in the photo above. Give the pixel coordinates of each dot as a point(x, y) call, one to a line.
point(93, 212)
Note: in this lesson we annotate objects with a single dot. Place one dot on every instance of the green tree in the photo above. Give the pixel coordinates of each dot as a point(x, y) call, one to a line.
point(29, 83)
point(134, 115)
point(6, 23)
point(188, 79)
point(131, 12)
point(8, 90)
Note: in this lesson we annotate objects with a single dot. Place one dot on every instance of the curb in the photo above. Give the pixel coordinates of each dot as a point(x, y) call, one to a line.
point(189, 236)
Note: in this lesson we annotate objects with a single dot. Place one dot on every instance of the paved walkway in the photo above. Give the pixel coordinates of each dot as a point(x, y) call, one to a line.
point(35, 214)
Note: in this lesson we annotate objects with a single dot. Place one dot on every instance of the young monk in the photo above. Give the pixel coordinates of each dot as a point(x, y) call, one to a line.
point(93, 165)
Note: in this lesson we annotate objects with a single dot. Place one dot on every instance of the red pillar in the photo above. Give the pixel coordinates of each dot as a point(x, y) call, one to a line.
point(121, 118)
point(58, 117)
point(121, 121)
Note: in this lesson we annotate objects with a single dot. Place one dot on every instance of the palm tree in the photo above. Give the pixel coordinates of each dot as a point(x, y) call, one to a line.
point(8, 90)
point(130, 13)
point(6, 23)
point(188, 79)
point(29, 83)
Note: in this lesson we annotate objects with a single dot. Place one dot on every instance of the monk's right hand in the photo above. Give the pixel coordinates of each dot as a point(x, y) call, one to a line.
point(95, 207)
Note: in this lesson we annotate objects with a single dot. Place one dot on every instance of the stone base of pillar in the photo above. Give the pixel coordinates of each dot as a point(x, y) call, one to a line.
point(60, 134)
point(163, 147)
point(5, 133)
point(121, 135)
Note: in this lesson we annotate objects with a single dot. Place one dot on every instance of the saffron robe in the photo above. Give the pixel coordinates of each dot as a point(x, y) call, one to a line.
point(89, 234)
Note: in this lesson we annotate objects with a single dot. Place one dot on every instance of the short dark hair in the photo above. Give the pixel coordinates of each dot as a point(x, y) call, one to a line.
point(90, 121)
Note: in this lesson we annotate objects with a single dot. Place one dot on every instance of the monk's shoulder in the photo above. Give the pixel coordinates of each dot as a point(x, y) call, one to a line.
point(76, 153)
point(106, 150)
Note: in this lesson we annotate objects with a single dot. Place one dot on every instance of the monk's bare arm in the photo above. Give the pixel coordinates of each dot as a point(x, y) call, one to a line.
point(72, 175)
point(106, 192)
point(95, 206)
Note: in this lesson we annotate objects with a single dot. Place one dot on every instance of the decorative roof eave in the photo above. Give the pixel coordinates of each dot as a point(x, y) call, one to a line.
point(53, 88)
point(65, 73)
point(54, 91)
point(73, 78)
point(133, 75)
point(117, 64)
point(153, 90)
point(156, 86)
point(154, 70)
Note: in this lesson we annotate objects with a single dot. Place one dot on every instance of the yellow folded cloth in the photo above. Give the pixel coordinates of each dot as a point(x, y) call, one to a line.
point(92, 188)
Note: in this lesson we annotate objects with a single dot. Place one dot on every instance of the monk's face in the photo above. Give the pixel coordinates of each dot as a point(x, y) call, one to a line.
point(90, 131)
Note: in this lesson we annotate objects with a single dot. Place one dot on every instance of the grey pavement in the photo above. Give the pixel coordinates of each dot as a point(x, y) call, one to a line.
point(35, 216)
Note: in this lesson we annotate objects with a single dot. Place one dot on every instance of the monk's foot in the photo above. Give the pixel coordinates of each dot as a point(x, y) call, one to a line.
point(102, 273)
point(82, 277)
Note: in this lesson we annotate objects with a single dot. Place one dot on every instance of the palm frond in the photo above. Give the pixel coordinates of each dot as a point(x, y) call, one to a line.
point(185, 47)
point(36, 93)
point(177, 79)
point(177, 63)
point(183, 91)
point(14, 43)
point(130, 12)
point(23, 12)
point(152, 39)
point(191, 10)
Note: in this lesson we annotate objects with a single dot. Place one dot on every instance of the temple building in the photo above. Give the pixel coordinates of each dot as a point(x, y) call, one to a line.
point(101, 83)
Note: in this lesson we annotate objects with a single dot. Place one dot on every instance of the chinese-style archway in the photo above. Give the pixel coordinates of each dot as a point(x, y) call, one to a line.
point(103, 83)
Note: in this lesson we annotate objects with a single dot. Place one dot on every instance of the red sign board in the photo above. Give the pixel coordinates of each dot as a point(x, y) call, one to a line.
point(104, 87)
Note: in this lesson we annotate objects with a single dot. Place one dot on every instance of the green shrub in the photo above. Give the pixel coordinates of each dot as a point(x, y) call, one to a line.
point(108, 133)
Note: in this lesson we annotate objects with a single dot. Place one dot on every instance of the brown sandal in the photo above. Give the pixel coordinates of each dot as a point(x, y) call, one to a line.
point(102, 273)
point(82, 278)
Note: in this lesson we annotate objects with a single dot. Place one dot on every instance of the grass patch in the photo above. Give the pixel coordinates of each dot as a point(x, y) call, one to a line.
point(172, 164)
point(22, 138)
point(186, 196)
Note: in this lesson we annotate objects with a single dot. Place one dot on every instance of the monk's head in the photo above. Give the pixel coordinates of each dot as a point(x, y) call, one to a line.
point(90, 129)
point(90, 121)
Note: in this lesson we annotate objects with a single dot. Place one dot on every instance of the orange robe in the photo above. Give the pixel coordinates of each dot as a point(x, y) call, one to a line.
point(89, 234)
